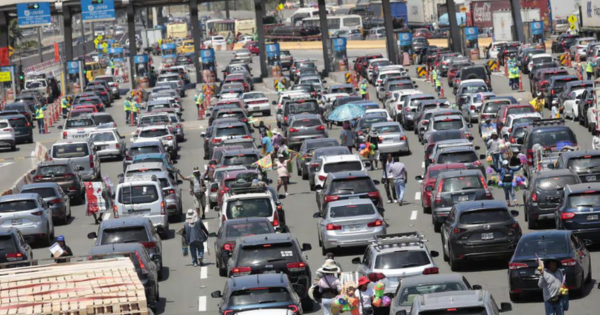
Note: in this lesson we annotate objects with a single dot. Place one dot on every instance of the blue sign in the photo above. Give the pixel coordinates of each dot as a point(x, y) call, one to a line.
point(272, 50)
point(405, 39)
point(472, 33)
point(207, 55)
point(140, 59)
point(537, 28)
point(12, 69)
point(73, 67)
point(34, 14)
point(97, 10)
point(339, 44)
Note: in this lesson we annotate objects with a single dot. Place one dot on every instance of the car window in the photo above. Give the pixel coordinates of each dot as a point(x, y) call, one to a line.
point(138, 194)
point(401, 259)
point(306, 122)
point(248, 228)
point(105, 136)
point(247, 208)
point(44, 192)
point(352, 185)
point(542, 246)
point(79, 123)
point(133, 234)
point(17, 205)
point(153, 133)
point(240, 159)
point(258, 295)
point(387, 129)
point(555, 183)
point(72, 150)
point(485, 216)
point(303, 107)
point(457, 157)
point(231, 131)
point(342, 166)
point(260, 254)
point(436, 173)
point(133, 151)
point(52, 170)
point(555, 138)
point(584, 162)
point(584, 200)
point(474, 310)
point(408, 294)
point(351, 210)
point(448, 124)
point(461, 183)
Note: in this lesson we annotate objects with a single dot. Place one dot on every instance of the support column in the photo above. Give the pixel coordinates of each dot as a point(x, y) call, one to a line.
point(132, 43)
point(40, 45)
point(4, 20)
point(259, 11)
point(392, 46)
point(454, 32)
point(515, 7)
point(83, 36)
point(227, 9)
point(324, 36)
point(196, 36)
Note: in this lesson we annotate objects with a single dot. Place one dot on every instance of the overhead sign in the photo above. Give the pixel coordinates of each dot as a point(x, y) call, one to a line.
point(339, 44)
point(207, 55)
point(537, 28)
point(405, 39)
point(572, 19)
point(97, 10)
point(5, 76)
point(272, 50)
point(73, 66)
point(33, 14)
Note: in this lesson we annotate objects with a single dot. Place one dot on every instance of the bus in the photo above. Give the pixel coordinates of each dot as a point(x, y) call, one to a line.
point(209, 25)
point(302, 13)
point(245, 27)
point(225, 28)
point(336, 22)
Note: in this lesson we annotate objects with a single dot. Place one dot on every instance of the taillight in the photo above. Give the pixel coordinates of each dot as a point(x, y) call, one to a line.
point(149, 244)
point(473, 107)
point(515, 266)
point(285, 118)
point(431, 271)
point(530, 157)
point(488, 193)
point(331, 198)
point(374, 194)
point(323, 178)
point(102, 93)
point(275, 219)
point(569, 262)
point(567, 215)
point(37, 177)
point(91, 161)
point(13, 256)
point(293, 308)
point(241, 271)
point(228, 246)
point(512, 140)
point(375, 223)
point(216, 140)
point(223, 219)
point(534, 197)
point(115, 212)
point(162, 208)
point(403, 138)
point(293, 130)
point(297, 266)
point(333, 227)
point(375, 276)
point(38, 213)
point(213, 189)
point(55, 201)
point(64, 135)
point(458, 231)
point(321, 127)
point(399, 107)
point(552, 91)
point(438, 195)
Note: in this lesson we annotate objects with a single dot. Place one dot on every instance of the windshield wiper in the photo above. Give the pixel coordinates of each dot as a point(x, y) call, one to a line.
point(267, 301)
point(587, 206)
point(467, 188)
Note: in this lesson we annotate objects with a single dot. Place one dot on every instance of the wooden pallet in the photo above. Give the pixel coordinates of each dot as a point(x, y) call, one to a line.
point(109, 286)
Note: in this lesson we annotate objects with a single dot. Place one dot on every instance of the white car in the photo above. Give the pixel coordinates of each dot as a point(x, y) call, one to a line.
point(494, 49)
point(579, 47)
point(334, 164)
point(215, 40)
point(383, 74)
point(513, 119)
point(243, 54)
point(257, 102)
point(7, 135)
point(571, 104)
point(395, 104)
point(163, 133)
point(370, 66)
point(379, 112)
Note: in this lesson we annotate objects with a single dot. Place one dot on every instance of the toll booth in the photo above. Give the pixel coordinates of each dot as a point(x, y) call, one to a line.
point(339, 58)
point(209, 67)
point(8, 82)
point(534, 34)
point(470, 38)
point(168, 52)
point(75, 82)
point(142, 70)
point(404, 40)
point(273, 59)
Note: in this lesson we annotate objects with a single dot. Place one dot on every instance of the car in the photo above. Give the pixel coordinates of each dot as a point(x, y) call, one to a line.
point(470, 104)
point(476, 72)
point(583, 163)
point(316, 155)
point(246, 292)
point(252, 46)
point(347, 185)
point(578, 211)
point(65, 173)
point(515, 137)
point(13, 247)
point(563, 43)
point(453, 121)
point(306, 152)
point(142, 147)
point(334, 164)
point(230, 231)
point(540, 78)
point(548, 133)
point(392, 257)
point(428, 181)
point(286, 59)
point(452, 188)
point(555, 86)
point(411, 287)
point(514, 119)
point(349, 223)
point(20, 108)
point(442, 135)
point(29, 213)
point(239, 157)
point(302, 127)
point(409, 109)
point(130, 230)
point(257, 102)
point(508, 51)
point(479, 230)
point(464, 301)
point(455, 150)
point(162, 133)
point(392, 138)
point(222, 132)
point(296, 107)
point(362, 126)
point(109, 143)
point(7, 135)
point(563, 245)
point(21, 126)
point(58, 201)
point(454, 69)
point(82, 152)
point(492, 50)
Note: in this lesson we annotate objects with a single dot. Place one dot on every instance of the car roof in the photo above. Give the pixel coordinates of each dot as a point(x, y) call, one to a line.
point(479, 205)
point(458, 173)
point(454, 299)
point(245, 220)
point(116, 248)
point(347, 202)
point(340, 158)
point(125, 222)
point(554, 173)
point(580, 153)
point(40, 185)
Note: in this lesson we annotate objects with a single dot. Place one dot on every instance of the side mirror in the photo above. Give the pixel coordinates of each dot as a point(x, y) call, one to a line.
point(324, 82)
point(550, 166)
point(316, 215)
point(212, 234)
point(402, 312)
point(514, 213)
point(505, 307)
point(318, 187)
point(203, 135)
point(60, 127)
point(367, 164)
point(356, 261)
point(32, 172)
point(587, 242)
point(471, 138)
point(376, 182)
point(122, 137)
point(216, 294)
point(92, 236)
point(274, 102)
point(434, 253)
point(520, 141)
point(155, 258)
point(306, 247)
point(420, 177)
point(97, 148)
point(208, 114)
point(482, 156)
point(477, 287)
point(416, 86)
point(381, 89)
point(81, 168)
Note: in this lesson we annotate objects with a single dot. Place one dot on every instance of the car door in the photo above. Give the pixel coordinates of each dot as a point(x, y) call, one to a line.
point(26, 247)
point(364, 268)
point(581, 254)
point(47, 211)
point(447, 226)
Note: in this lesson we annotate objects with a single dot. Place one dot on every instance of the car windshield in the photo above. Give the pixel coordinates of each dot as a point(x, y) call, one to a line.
point(493, 108)
point(104, 136)
point(342, 166)
point(248, 228)
point(247, 208)
point(72, 150)
point(458, 157)
point(351, 211)
point(240, 159)
point(587, 200)
point(133, 151)
point(452, 184)
point(584, 162)
point(130, 234)
point(154, 120)
point(17, 205)
point(485, 216)
point(260, 295)
point(448, 124)
point(52, 170)
point(387, 129)
point(402, 259)
point(35, 84)
point(79, 123)
point(555, 183)
point(542, 245)
point(231, 131)
point(476, 310)
point(258, 255)
point(409, 293)
point(350, 185)
point(552, 138)
point(136, 194)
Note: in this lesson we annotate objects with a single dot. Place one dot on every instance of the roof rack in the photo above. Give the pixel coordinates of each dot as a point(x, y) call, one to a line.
point(455, 145)
point(246, 188)
point(399, 239)
point(549, 122)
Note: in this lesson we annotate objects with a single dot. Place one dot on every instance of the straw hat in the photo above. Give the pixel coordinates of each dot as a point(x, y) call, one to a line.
point(330, 267)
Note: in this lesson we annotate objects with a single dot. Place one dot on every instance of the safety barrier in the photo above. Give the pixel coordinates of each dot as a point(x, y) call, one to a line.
point(493, 65)
point(565, 59)
point(39, 155)
point(421, 72)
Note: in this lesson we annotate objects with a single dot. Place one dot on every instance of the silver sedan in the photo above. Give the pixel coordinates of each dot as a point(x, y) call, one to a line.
point(349, 223)
point(392, 138)
point(243, 54)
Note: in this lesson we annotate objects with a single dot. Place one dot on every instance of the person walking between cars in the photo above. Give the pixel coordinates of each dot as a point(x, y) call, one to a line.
point(589, 69)
point(195, 234)
point(197, 190)
point(538, 103)
point(64, 105)
point(513, 75)
point(399, 173)
point(283, 173)
point(507, 175)
point(365, 296)
point(135, 107)
point(347, 136)
point(388, 179)
point(493, 146)
point(320, 274)
point(438, 81)
point(551, 282)
point(67, 252)
point(363, 89)
point(39, 116)
point(329, 285)
point(373, 138)
point(127, 108)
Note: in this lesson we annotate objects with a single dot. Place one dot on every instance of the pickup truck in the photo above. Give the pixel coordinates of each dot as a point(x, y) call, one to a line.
point(40, 85)
point(79, 127)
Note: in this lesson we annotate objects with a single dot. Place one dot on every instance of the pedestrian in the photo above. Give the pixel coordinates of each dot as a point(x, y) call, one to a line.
point(283, 149)
point(197, 190)
point(135, 107)
point(513, 74)
point(112, 67)
point(388, 179)
point(66, 250)
point(551, 282)
point(282, 173)
point(277, 139)
point(195, 234)
point(347, 136)
point(538, 103)
point(64, 105)
point(329, 286)
point(399, 173)
point(373, 138)
point(493, 146)
point(267, 144)
point(320, 274)
point(589, 69)
point(127, 108)
point(438, 81)
point(262, 129)
point(365, 296)
point(39, 116)
point(596, 140)
point(507, 175)
point(363, 89)
point(557, 111)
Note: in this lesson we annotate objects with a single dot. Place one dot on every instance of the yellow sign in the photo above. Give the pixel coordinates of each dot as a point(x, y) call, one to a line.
point(421, 72)
point(463, 9)
point(11, 51)
point(280, 7)
point(573, 27)
point(104, 45)
point(96, 41)
point(159, 41)
point(572, 19)
point(493, 65)
point(5, 76)
point(104, 50)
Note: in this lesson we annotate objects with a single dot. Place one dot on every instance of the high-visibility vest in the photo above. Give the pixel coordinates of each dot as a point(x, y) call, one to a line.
point(112, 64)
point(127, 105)
point(513, 73)
point(588, 67)
point(134, 107)
point(434, 75)
point(39, 113)
point(363, 88)
point(64, 103)
point(438, 82)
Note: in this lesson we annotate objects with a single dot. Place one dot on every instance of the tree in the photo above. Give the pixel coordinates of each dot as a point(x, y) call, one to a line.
point(14, 32)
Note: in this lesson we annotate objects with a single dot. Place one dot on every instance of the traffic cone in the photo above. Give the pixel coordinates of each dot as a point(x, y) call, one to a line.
point(521, 82)
point(131, 121)
point(505, 67)
point(367, 96)
point(45, 125)
point(442, 92)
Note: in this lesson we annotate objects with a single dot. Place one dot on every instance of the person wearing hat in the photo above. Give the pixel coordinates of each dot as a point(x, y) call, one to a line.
point(197, 190)
point(538, 103)
point(277, 139)
point(507, 175)
point(320, 274)
point(373, 138)
point(195, 234)
point(388, 179)
point(282, 173)
point(551, 283)
point(329, 285)
point(365, 296)
point(67, 252)
point(493, 146)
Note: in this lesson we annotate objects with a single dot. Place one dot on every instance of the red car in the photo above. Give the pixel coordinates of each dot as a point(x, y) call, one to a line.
point(423, 32)
point(252, 46)
point(428, 182)
point(504, 111)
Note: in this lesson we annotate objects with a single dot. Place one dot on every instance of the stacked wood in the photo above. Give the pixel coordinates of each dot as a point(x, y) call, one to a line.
point(107, 286)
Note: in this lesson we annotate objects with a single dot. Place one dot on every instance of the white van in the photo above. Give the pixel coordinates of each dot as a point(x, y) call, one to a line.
point(302, 13)
point(142, 196)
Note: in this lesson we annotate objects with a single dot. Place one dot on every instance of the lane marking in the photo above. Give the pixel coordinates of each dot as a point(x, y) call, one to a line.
point(106, 216)
point(5, 164)
point(423, 164)
point(203, 272)
point(202, 304)
point(417, 196)
point(413, 215)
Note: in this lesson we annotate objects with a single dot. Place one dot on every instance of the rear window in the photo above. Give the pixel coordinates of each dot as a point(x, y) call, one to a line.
point(342, 166)
point(387, 129)
point(242, 159)
point(259, 295)
point(477, 310)
point(18, 122)
point(348, 90)
point(441, 136)
point(105, 136)
point(73, 150)
point(436, 173)
point(79, 123)
point(154, 120)
point(7, 245)
point(461, 183)
point(474, 89)
point(4, 124)
point(544, 245)
point(583, 163)
point(556, 183)
point(222, 114)
point(493, 108)
point(408, 294)
point(53, 170)
point(552, 138)
point(448, 124)
point(306, 122)
point(560, 84)
point(539, 60)
point(525, 120)
point(258, 255)
point(351, 211)
point(231, 131)
point(143, 150)
point(248, 228)
point(133, 234)
point(352, 185)
point(479, 72)
point(103, 119)
point(520, 110)
point(18, 205)
point(138, 194)
point(485, 216)
point(401, 259)
point(44, 192)
point(308, 107)
point(367, 122)
point(587, 200)
point(17, 107)
point(321, 144)
point(457, 157)
point(258, 207)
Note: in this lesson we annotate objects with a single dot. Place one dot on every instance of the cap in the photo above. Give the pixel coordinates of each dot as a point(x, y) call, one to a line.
point(505, 162)
point(60, 238)
point(363, 280)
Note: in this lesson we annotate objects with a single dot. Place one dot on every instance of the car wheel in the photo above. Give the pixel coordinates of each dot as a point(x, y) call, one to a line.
point(581, 120)
point(13, 147)
point(323, 249)
point(222, 272)
point(436, 226)
point(515, 297)
point(532, 223)
point(444, 252)
point(454, 264)
point(304, 175)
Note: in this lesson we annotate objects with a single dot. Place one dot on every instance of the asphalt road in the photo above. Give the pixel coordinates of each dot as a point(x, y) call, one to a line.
point(186, 289)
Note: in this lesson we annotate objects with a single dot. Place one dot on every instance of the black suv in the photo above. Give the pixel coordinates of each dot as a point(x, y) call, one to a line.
point(476, 72)
point(479, 230)
point(580, 211)
point(13, 247)
point(272, 253)
point(563, 43)
point(555, 86)
point(544, 194)
point(347, 185)
point(586, 164)
point(548, 133)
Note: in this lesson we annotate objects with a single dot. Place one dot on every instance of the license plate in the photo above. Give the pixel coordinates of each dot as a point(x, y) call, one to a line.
point(487, 236)
point(79, 136)
point(353, 227)
point(590, 178)
point(592, 217)
point(269, 271)
point(17, 222)
point(463, 198)
point(354, 197)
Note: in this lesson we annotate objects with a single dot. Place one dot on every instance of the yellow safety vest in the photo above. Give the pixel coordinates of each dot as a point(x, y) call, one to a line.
point(134, 107)
point(112, 64)
point(127, 105)
point(64, 103)
point(39, 113)
point(588, 67)
point(363, 88)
